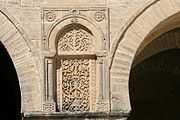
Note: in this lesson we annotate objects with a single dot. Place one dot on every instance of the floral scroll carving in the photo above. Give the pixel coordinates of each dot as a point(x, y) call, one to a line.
point(76, 70)
point(75, 85)
point(75, 40)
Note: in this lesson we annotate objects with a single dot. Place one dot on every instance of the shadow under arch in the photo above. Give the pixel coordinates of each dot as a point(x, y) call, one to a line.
point(154, 87)
point(10, 101)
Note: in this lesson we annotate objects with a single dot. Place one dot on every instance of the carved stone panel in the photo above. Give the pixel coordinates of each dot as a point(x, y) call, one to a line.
point(75, 40)
point(75, 85)
point(75, 70)
point(74, 37)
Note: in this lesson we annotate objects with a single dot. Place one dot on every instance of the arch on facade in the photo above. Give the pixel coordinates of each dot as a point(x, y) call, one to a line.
point(17, 44)
point(75, 26)
point(152, 22)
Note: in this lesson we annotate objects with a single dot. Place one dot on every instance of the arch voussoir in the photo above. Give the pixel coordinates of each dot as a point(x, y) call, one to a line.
point(130, 43)
point(20, 52)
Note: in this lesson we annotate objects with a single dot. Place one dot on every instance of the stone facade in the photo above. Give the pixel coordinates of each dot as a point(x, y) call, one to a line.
point(76, 56)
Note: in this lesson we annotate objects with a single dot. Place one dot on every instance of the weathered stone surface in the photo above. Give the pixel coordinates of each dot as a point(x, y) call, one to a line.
point(76, 116)
point(114, 29)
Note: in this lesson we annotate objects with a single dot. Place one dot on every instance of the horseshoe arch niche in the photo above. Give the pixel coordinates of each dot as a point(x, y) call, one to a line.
point(74, 58)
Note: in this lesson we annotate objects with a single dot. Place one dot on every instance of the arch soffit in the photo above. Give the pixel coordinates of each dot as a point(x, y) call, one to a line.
point(167, 25)
point(82, 20)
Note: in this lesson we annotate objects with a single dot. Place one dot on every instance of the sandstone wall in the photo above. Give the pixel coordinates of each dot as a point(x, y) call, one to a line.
point(132, 18)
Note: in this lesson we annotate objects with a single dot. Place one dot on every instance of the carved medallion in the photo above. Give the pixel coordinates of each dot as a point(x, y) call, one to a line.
point(99, 16)
point(50, 16)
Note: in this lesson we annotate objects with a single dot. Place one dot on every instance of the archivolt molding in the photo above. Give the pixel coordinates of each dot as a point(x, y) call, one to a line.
point(18, 46)
point(17, 26)
point(126, 26)
point(166, 26)
point(131, 37)
point(168, 40)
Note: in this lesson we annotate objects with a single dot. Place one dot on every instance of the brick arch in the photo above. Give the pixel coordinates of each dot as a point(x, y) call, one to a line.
point(18, 47)
point(128, 45)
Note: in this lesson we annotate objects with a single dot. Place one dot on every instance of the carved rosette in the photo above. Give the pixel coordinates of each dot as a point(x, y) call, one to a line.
point(99, 16)
point(50, 16)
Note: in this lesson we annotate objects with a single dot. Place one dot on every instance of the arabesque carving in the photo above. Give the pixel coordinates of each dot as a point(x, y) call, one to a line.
point(75, 85)
point(75, 40)
point(76, 74)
